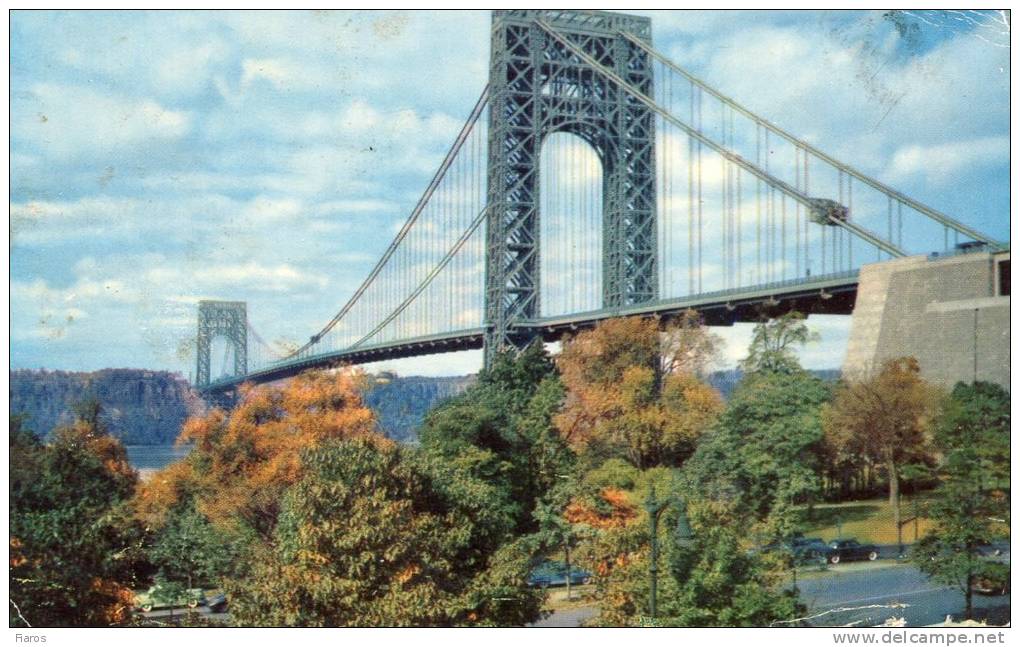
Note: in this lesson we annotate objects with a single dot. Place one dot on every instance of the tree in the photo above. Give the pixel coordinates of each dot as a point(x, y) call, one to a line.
point(688, 347)
point(621, 403)
point(383, 536)
point(243, 460)
point(763, 454)
point(712, 582)
point(189, 550)
point(502, 429)
point(773, 343)
point(970, 507)
point(886, 418)
point(73, 547)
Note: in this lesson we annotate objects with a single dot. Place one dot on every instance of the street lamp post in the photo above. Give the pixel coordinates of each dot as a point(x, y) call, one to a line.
point(684, 535)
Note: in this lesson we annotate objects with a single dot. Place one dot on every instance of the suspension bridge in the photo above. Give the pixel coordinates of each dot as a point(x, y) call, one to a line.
point(594, 178)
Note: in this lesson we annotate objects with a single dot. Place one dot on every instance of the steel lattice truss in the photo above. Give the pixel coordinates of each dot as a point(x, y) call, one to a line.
point(538, 87)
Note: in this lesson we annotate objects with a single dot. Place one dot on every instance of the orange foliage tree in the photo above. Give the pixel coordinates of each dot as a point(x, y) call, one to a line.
point(244, 459)
point(634, 391)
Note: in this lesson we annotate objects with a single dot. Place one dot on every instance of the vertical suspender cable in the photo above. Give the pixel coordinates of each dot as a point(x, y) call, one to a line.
point(796, 214)
point(850, 213)
point(899, 220)
point(757, 209)
point(700, 124)
point(890, 219)
point(691, 201)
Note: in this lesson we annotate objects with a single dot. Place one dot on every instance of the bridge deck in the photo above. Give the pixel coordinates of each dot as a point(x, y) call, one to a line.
point(830, 294)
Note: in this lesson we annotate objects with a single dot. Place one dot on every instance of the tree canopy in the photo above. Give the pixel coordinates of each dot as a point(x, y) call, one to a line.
point(634, 393)
point(380, 536)
point(243, 460)
point(74, 551)
point(502, 429)
point(970, 507)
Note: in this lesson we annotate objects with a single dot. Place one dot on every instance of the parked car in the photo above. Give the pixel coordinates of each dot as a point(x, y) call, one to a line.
point(550, 573)
point(845, 550)
point(805, 550)
point(217, 603)
point(995, 549)
point(159, 598)
point(810, 549)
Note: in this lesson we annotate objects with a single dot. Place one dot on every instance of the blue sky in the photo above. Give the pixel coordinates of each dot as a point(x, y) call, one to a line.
point(161, 158)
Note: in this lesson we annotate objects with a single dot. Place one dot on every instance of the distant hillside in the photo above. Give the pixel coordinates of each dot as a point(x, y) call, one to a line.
point(148, 407)
point(402, 402)
point(141, 407)
point(727, 380)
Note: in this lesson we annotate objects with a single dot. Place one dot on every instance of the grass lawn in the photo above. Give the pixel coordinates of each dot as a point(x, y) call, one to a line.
point(867, 521)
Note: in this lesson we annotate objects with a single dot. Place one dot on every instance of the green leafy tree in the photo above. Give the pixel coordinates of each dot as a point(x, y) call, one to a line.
point(501, 429)
point(188, 550)
point(773, 344)
point(74, 550)
point(970, 507)
point(383, 536)
point(764, 454)
point(712, 581)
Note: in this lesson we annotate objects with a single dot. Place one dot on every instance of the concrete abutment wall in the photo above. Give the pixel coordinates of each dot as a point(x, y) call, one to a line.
point(951, 313)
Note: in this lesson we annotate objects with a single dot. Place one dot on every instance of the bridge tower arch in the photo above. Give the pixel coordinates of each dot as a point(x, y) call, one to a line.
point(538, 87)
point(226, 318)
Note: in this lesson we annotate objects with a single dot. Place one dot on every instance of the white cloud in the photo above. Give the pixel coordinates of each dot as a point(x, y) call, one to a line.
point(276, 278)
point(942, 163)
point(284, 74)
point(70, 120)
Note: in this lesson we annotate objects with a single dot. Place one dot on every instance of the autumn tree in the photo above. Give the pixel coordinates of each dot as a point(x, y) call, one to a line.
point(970, 507)
point(244, 459)
point(74, 551)
point(885, 417)
point(209, 515)
point(635, 393)
point(379, 535)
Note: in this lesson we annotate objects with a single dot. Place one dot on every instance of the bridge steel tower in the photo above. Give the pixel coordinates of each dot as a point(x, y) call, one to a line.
point(538, 87)
point(227, 318)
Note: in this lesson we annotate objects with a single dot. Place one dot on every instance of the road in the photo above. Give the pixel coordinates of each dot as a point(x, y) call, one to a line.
point(862, 594)
point(875, 592)
point(872, 590)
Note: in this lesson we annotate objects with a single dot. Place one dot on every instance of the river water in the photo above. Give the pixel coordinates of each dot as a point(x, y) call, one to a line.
point(149, 458)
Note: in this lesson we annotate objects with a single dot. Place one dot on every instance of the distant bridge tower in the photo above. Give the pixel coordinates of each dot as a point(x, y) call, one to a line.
point(226, 318)
point(537, 87)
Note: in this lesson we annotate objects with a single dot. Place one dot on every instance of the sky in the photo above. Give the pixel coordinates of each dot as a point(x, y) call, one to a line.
point(160, 158)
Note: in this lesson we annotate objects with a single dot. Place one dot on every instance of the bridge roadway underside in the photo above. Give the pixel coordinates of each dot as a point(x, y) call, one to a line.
point(824, 295)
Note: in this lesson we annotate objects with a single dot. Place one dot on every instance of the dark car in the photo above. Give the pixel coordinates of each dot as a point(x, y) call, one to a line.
point(217, 603)
point(551, 573)
point(810, 549)
point(804, 550)
point(846, 550)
